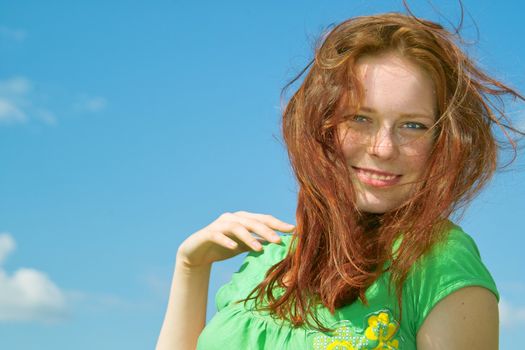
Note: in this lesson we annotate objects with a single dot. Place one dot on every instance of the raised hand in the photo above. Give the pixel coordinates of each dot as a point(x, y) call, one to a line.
point(229, 235)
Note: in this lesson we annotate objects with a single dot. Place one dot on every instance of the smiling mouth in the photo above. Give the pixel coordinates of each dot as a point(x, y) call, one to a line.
point(376, 178)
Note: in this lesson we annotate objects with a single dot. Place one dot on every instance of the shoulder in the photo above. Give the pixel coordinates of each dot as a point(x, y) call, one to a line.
point(456, 255)
point(451, 265)
point(456, 243)
point(465, 319)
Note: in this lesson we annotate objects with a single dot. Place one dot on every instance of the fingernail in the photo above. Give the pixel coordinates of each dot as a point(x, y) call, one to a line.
point(256, 245)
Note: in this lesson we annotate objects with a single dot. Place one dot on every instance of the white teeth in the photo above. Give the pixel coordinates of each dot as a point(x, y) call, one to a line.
point(376, 176)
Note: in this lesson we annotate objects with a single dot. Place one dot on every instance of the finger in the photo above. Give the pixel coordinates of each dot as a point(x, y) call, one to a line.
point(247, 223)
point(268, 220)
point(223, 240)
point(241, 233)
point(258, 228)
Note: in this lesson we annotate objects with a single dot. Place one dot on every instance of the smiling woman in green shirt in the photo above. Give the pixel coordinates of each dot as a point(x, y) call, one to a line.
point(388, 134)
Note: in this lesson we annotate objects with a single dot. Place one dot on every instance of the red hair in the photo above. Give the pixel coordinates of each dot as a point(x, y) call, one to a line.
point(338, 250)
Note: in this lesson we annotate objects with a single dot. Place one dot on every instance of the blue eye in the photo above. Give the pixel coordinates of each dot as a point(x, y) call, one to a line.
point(360, 118)
point(415, 126)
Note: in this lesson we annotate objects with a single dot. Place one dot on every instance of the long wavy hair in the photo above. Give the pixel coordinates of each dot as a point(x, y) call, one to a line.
point(340, 251)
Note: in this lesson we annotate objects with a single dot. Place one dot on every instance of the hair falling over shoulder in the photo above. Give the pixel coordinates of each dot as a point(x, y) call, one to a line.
point(340, 251)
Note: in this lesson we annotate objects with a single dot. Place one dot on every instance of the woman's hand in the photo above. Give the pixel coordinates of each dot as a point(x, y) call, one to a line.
point(229, 235)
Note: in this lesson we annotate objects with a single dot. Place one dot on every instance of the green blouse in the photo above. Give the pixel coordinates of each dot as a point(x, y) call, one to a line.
point(449, 266)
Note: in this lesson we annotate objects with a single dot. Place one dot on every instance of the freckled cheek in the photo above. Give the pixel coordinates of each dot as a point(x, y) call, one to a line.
point(419, 150)
point(350, 147)
point(417, 163)
point(351, 155)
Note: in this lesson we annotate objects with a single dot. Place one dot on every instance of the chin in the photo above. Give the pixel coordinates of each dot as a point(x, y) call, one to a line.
point(372, 210)
point(376, 207)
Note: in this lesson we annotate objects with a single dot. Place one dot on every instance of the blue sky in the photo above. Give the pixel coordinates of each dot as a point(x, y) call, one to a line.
point(126, 126)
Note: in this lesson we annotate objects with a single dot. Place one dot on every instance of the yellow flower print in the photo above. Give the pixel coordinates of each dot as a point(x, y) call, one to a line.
point(344, 338)
point(340, 345)
point(381, 330)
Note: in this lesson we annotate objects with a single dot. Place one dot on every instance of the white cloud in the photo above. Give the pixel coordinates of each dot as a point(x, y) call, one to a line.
point(17, 106)
point(13, 100)
point(96, 104)
point(46, 116)
point(15, 86)
point(157, 283)
point(10, 113)
point(100, 302)
point(19, 103)
point(12, 34)
point(28, 294)
point(91, 103)
point(511, 316)
point(7, 245)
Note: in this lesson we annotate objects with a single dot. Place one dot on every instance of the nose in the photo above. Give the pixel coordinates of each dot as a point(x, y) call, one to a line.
point(383, 144)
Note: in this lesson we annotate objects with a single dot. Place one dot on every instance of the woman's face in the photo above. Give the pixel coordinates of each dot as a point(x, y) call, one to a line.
point(388, 142)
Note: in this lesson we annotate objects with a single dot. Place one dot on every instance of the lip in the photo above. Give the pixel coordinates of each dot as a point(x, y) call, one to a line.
point(376, 178)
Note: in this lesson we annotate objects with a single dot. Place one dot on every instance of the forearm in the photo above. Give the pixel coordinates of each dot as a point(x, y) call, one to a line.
point(186, 312)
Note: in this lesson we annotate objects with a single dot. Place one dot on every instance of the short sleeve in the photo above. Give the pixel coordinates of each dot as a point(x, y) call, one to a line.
point(239, 326)
point(251, 272)
point(449, 266)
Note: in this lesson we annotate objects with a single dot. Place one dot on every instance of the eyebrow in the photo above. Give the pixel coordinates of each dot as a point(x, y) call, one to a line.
point(412, 115)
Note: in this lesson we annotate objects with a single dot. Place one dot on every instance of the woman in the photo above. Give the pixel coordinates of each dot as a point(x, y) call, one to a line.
point(388, 134)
